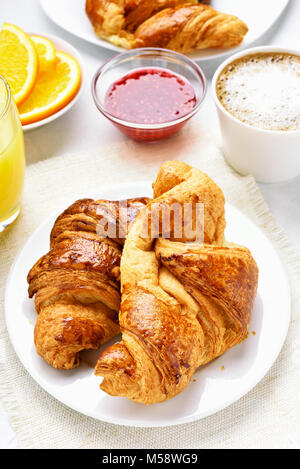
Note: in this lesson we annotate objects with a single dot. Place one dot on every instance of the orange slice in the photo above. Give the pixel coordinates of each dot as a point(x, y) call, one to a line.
point(46, 52)
point(18, 61)
point(53, 91)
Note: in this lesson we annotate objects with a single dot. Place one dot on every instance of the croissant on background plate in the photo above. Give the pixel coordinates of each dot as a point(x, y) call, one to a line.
point(191, 27)
point(76, 284)
point(116, 20)
point(183, 303)
point(175, 24)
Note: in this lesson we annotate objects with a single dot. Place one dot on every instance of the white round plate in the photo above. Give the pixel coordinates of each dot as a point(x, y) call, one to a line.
point(258, 15)
point(63, 46)
point(214, 388)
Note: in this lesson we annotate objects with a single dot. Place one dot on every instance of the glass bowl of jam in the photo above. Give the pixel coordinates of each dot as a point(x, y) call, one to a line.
point(149, 93)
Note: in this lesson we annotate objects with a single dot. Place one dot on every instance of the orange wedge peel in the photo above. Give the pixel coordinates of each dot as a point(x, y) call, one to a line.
point(46, 52)
point(18, 61)
point(53, 90)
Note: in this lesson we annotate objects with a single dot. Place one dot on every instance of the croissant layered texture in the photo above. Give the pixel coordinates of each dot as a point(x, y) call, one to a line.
point(76, 284)
point(183, 303)
point(191, 27)
point(175, 24)
point(116, 20)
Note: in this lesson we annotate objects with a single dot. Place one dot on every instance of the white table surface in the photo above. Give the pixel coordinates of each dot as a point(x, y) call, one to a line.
point(83, 128)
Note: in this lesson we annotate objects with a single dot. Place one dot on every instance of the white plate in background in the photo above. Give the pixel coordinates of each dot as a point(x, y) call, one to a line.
point(63, 46)
point(214, 389)
point(259, 15)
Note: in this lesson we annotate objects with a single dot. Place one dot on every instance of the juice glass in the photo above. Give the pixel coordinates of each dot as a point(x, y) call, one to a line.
point(12, 157)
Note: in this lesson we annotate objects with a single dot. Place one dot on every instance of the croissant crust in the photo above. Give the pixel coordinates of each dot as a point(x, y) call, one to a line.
point(191, 27)
point(76, 284)
point(183, 304)
point(174, 24)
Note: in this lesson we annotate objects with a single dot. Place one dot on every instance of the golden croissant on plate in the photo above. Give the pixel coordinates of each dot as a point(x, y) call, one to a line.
point(116, 20)
point(191, 27)
point(184, 303)
point(76, 284)
point(174, 24)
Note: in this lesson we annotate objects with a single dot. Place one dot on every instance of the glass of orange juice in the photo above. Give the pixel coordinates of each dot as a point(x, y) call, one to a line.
point(12, 157)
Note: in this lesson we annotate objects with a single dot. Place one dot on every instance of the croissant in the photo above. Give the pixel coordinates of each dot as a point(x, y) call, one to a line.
point(76, 284)
point(116, 20)
point(189, 27)
point(183, 303)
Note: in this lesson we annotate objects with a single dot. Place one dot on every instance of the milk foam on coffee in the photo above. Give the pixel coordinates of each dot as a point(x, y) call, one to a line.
point(263, 90)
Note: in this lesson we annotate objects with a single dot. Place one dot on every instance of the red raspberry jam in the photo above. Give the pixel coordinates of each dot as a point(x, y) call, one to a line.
point(150, 96)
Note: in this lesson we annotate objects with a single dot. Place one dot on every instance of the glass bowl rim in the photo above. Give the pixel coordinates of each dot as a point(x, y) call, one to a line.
point(148, 50)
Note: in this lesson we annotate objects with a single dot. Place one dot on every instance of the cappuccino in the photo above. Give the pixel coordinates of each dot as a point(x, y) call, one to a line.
point(263, 90)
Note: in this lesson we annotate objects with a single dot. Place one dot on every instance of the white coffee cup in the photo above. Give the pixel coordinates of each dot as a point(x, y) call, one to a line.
point(269, 155)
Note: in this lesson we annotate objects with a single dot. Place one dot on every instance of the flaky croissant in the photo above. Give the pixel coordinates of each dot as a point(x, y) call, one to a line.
point(183, 304)
point(191, 27)
point(174, 24)
point(76, 284)
point(116, 20)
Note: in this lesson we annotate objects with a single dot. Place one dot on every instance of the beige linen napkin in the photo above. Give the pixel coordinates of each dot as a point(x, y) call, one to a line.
point(268, 416)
